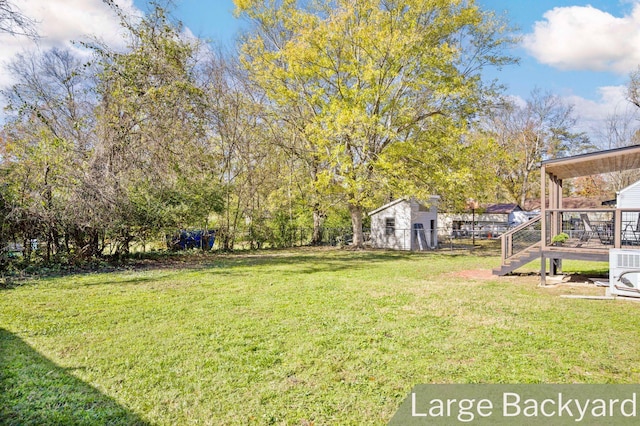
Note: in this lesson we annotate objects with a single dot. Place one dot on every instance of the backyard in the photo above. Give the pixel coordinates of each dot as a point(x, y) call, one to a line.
point(306, 336)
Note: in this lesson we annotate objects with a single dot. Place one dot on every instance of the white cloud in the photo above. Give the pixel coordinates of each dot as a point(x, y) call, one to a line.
point(586, 38)
point(60, 22)
point(593, 115)
point(610, 99)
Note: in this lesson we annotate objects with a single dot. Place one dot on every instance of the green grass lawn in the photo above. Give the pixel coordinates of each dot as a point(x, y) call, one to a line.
point(293, 337)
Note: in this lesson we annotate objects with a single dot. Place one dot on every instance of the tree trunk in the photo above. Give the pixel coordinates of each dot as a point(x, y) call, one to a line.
point(356, 224)
point(55, 238)
point(318, 219)
point(26, 249)
point(123, 246)
point(524, 192)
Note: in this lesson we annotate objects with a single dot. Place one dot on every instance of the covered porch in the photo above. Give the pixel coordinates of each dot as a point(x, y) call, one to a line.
point(591, 232)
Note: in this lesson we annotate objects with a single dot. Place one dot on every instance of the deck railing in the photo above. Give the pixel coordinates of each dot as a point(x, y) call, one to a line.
point(521, 238)
point(585, 228)
point(592, 232)
point(594, 228)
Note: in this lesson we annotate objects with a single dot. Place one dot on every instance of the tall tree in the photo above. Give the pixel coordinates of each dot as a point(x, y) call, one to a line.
point(621, 129)
point(238, 133)
point(49, 137)
point(154, 164)
point(527, 134)
point(379, 81)
point(115, 149)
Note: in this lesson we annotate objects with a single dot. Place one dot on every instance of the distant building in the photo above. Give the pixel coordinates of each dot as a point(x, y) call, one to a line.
point(488, 221)
point(405, 224)
point(570, 203)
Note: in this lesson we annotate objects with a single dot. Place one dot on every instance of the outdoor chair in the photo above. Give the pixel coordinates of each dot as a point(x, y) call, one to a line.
point(605, 233)
point(588, 229)
point(633, 230)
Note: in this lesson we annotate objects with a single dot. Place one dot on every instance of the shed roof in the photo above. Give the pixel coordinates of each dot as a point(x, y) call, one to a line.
point(594, 163)
point(569, 203)
point(433, 198)
point(501, 208)
point(386, 206)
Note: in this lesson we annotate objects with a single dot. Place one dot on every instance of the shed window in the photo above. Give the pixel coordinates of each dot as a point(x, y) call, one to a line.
point(390, 226)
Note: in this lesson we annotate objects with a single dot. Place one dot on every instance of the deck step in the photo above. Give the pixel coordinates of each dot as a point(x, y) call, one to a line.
point(521, 259)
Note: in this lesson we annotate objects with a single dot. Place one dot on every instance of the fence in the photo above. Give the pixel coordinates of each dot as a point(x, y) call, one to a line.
point(481, 230)
point(417, 238)
point(283, 238)
point(289, 237)
point(403, 239)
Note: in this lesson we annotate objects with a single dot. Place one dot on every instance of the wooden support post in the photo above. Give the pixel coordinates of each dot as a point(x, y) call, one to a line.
point(617, 229)
point(555, 264)
point(543, 206)
point(543, 223)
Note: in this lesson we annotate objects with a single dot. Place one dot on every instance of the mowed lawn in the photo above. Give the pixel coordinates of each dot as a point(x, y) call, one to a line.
point(294, 337)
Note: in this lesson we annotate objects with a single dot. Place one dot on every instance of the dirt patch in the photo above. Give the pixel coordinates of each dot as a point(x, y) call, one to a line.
point(475, 274)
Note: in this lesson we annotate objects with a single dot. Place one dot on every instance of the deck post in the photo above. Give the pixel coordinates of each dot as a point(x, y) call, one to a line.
point(555, 264)
point(554, 222)
point(543, 223)
point(543, 207)
point(617, 228)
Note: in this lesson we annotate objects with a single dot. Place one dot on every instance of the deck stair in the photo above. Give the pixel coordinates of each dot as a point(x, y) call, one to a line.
point(520, 246)
point(516, 261)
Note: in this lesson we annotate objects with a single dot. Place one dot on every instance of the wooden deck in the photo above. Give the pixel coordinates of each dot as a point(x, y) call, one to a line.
point(576, 253)
point(593, 232)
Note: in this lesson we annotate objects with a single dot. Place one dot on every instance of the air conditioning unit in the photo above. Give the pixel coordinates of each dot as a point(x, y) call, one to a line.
point(624, 272)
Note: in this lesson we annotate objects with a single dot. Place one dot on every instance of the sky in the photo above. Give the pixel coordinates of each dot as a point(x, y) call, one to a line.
point(582, 51)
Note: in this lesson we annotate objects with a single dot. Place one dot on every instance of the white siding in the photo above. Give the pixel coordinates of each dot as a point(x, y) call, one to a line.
point(399, 239)
point(405, 214)
point(629, 197)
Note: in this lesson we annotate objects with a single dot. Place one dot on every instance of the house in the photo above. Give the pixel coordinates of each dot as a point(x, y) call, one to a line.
point(629, 197)
point(405, 224)
point(491, 220)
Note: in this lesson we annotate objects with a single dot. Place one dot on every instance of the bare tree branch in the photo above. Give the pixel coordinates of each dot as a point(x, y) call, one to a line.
point(14, 22)
point(633, 89)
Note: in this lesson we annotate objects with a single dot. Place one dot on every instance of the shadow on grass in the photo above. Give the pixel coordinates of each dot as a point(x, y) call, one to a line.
point(35, 391)
point(295, 261)
point(309, 259)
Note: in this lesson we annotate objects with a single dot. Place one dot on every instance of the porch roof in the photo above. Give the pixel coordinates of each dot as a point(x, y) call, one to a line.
point(594, 163)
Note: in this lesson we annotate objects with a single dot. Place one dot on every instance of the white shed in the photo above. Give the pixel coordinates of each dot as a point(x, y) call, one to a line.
point(405, 224)
point(629, 197)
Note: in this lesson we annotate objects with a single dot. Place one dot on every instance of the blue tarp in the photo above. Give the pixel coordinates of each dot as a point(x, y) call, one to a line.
point(192, 239)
